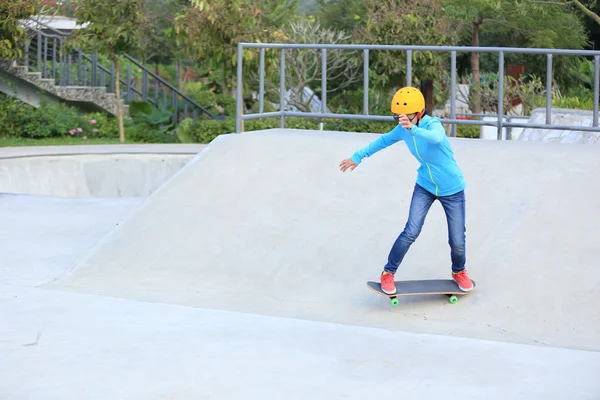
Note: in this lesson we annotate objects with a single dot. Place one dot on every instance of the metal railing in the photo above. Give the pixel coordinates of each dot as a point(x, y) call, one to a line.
point(45, 53)
point(453, 50)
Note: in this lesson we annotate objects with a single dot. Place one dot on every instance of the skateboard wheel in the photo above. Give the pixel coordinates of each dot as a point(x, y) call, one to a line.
point(453, 299)
point(394, 302)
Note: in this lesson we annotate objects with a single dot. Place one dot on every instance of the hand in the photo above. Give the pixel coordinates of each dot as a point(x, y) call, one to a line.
point(405, 122)
point(348, 163)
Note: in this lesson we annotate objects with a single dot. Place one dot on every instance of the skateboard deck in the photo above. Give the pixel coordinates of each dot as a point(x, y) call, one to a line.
point(421, 287)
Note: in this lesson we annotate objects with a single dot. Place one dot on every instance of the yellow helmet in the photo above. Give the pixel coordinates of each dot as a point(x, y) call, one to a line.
point(408, 100)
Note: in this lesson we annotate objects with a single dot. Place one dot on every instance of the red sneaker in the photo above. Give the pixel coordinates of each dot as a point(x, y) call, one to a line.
point(387, 283)
point(463, 280)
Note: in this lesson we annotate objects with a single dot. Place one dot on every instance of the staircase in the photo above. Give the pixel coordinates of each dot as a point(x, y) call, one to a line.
point(86, 81)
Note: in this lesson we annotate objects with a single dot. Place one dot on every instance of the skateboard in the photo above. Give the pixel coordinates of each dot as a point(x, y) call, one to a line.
point(421, 287)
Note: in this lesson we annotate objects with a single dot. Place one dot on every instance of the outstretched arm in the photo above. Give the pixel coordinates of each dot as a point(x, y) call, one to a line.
point(383, 141)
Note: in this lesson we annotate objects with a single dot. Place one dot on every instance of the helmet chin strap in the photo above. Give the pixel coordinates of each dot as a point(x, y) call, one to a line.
point(419, 116)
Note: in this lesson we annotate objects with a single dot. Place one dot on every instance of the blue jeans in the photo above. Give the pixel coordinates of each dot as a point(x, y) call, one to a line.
point(454, 207)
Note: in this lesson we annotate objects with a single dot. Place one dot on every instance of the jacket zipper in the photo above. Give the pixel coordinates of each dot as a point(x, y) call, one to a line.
point(427, 165)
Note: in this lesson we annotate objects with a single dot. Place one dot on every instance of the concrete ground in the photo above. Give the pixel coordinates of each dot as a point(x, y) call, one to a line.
point(244, 277)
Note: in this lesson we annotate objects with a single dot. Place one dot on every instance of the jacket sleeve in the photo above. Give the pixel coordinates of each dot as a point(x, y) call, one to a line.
point(383, 141)
point(434, 133)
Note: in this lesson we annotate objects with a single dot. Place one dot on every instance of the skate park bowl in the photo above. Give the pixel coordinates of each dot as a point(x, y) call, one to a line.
point(89, 175)
point(249, 257)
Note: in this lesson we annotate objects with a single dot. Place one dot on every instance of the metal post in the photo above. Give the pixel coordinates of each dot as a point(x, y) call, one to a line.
point(261, 88)
point(94, 67)
point(39, 51)
point(156, 92)
point(238, 103)
point(129, 91)
point(62, 64)
point(174, 104)
point(27, 43)
point(54, 58)
point(548, 88)
point(366, 82)
point(64, 67)
point(453, 91)
point(79, 67)
point(408, 67)
point(323, 83)
point(44, 70)
point(282, 88)
point(174, 94)
point(596, 88)
point(500, 93)
point(145, 85)
point(69, 69)
point(112, 77)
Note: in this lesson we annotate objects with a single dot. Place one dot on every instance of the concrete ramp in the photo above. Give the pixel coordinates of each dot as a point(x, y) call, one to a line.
point(265, 223)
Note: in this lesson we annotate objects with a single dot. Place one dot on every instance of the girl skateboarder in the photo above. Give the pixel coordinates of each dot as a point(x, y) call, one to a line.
point(438, 178)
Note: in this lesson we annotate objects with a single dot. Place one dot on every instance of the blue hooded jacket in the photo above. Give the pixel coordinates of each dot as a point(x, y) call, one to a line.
point(439, 172)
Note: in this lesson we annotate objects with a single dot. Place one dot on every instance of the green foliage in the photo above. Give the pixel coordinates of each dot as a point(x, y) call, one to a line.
point(56, 120)
point(206, 98)
point(13, 115)
point(52, 120)
point(351, 102)
point(267, 107)
point(112, 27)
point(406, 23)
point(468, 131)
point(217, 104)
point(12, 35)
point(577, 103)
point(156, 42)
point(203, 131)
point(150, 124)
point(144, 112)
point(143, 132)
point(342, 15)
point(209, 31)
point(227, 102)
point(521, 23)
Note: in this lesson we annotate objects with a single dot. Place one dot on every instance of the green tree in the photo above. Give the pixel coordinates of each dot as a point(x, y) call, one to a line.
point(341, 15)
point(113, 28)
point(211, 30)
point(405, 22)
point(586, 7)
point(156, 41)
point(524, 21)
point(11, 32)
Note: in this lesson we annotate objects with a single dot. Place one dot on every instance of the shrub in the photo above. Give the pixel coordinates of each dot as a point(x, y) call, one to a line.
point(99, 125)
point(18, 119)
point(203, 131)
point(142, 132)
point(51, 120)
point(468, 131)
point(227, 102)
point(574, 103)
point(13, 115)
